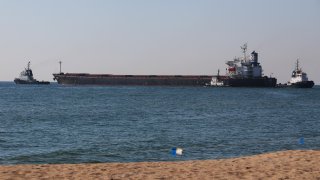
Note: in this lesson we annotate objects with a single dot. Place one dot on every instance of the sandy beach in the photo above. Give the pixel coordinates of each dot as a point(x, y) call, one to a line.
point(298, 164)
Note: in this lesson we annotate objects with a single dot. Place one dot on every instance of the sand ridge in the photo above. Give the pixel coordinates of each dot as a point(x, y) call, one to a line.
point(293, 164)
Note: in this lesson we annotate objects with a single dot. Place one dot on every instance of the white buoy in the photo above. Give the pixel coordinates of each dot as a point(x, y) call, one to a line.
point(179, 151)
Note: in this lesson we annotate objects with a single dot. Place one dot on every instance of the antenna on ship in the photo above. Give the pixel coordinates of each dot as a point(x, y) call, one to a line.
point(28, 65)
point(297, 64)
point(60, 66)
point(244, 49)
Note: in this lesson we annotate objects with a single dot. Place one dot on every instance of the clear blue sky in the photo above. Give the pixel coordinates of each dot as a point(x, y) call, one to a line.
point(157, 36)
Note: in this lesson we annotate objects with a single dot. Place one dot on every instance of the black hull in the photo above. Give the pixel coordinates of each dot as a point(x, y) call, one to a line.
point(19, 81)
point(250, 82)
point(304, 84)
point(131, 80)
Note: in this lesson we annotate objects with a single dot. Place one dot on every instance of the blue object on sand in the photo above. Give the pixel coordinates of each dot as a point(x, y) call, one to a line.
point(301, 141)
point(174, 151)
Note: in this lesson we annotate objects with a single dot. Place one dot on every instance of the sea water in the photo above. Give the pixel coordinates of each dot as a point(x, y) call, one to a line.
point(85, 124)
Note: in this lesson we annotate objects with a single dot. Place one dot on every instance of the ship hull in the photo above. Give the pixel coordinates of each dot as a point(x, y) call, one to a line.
point(130, 80)
point(250, 82)
point(19, 81)
point(303, 84)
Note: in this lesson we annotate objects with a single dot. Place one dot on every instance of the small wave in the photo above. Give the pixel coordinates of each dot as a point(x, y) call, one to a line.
point(59, 156)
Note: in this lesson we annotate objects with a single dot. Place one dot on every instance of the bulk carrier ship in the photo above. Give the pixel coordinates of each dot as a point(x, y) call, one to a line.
point(244, 72)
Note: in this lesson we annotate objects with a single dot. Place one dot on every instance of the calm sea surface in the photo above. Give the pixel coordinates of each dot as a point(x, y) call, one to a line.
point(65, 124)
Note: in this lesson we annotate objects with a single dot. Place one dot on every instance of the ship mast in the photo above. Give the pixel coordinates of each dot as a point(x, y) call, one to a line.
point(28, 68)
point(244, 50)
point(60, 66)
point(297, 65)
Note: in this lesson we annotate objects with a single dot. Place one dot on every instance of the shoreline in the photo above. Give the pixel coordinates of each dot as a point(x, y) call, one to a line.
point(292, 164)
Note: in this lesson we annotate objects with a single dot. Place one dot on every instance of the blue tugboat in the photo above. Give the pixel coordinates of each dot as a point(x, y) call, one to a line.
point(26, 77)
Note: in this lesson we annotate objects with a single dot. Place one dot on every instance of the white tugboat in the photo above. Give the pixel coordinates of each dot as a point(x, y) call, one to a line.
point(299, 79)
point(216, 81)
point(26, 77)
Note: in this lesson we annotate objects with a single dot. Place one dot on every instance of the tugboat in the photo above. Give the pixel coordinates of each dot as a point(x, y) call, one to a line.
point(26, 77)
point(247, 72)
point(299, 79)
point(216, 81)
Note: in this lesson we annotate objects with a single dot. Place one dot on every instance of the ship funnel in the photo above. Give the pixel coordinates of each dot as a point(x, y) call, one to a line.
point(254, 57)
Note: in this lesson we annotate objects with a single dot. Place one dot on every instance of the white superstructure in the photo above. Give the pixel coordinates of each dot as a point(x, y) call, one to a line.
point(245, 67)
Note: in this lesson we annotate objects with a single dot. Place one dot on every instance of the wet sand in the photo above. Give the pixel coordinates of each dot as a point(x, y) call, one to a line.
point(299, 164)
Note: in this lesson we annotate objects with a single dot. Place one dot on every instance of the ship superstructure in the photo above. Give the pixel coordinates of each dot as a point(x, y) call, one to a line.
point(299, 78)
point(247, 72)
point(245, 67)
